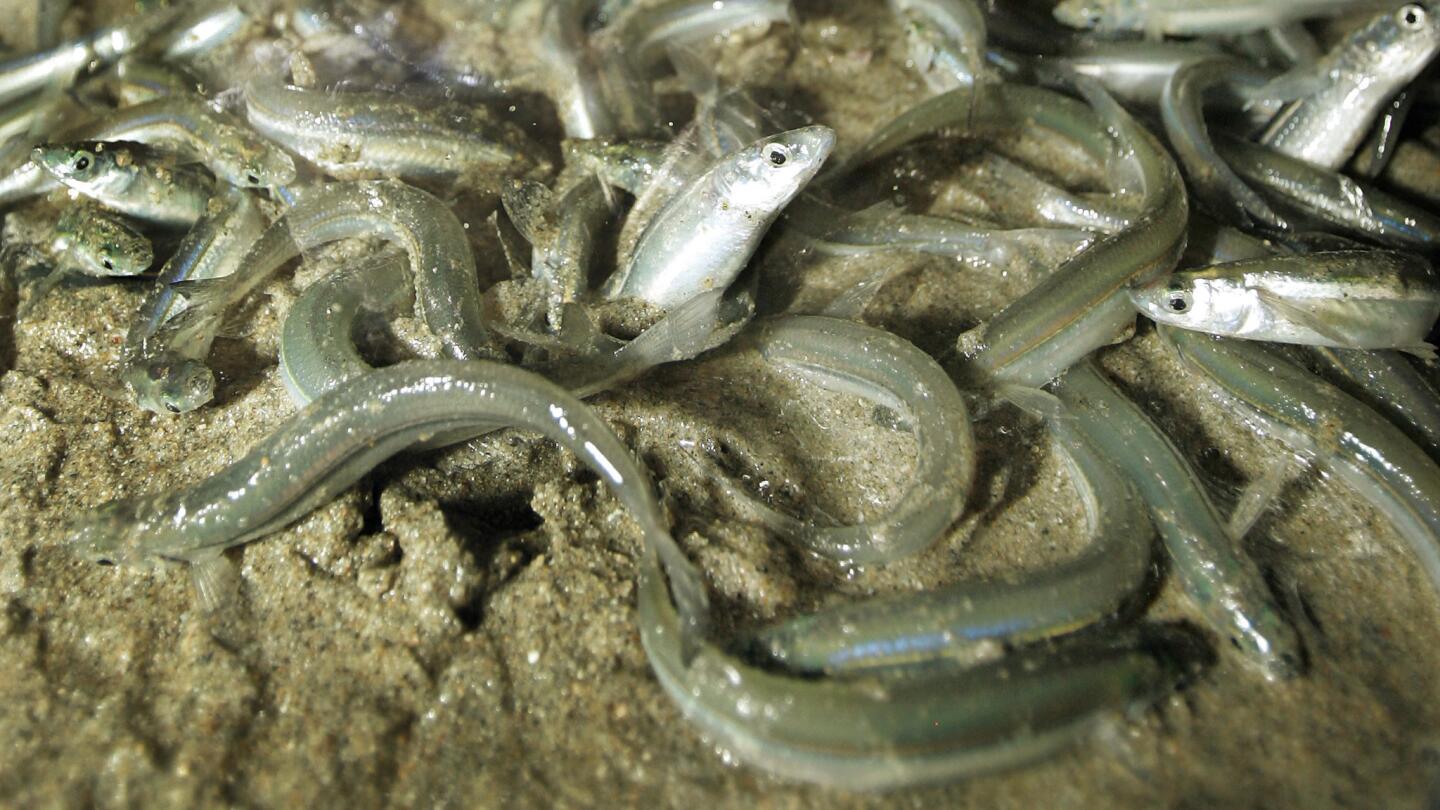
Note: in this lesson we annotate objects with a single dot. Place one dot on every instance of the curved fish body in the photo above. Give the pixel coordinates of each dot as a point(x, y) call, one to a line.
point(1135, 72)
point(876, 733)
point(1320, 422)
point(318, 452)
point(355, 136)
point(646, 31)
point(1224, 585)
point(447, 288)
point(164, 367)
point(101, 244)
point(1084, 304)
point(1364, 73)
point(705, 235)
point(1389, 383)
point(317, 342)
point(957, 621)
point(562, 230)
point(1182, 108)
point(1359, 299)
point(318, 352)
point(1188, 18)
point(1308, 192)
point(852, 358)
point(128, 178)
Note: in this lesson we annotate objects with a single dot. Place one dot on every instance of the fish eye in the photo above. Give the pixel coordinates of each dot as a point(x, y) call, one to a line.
point(1179, 303)
point(1411, 16)
point(104, 561)
point(777, 154)
point(82, 163)
point(252, 179)
point(172, 407)
point(107, 264)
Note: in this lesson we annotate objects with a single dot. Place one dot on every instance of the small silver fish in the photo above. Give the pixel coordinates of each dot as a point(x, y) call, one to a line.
point(102, 244)
point(705, 235)
point(129, 178)
point(1358, 299)
point(1190, 18)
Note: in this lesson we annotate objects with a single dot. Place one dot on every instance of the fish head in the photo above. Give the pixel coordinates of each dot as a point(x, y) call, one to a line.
point(81, 165)
point(254, 166)
point(105, 244)
point(110, 534)
point(1097, 15)
point(169, 383)
point(1176, 300)
point(768, 173)
point(1396, 45)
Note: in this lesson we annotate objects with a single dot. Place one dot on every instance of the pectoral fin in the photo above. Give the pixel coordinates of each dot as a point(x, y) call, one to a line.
point(216, 581)
point(1304, 317)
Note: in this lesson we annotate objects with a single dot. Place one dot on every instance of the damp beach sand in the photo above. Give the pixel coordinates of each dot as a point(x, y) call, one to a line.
point(459, 629)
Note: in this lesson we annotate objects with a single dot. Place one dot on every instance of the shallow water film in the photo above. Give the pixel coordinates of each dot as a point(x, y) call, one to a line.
point(932, 403)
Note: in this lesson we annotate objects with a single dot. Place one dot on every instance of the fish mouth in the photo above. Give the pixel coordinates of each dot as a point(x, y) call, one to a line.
point(817, 139)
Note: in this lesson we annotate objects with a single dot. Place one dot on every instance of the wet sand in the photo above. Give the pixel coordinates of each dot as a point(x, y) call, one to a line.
point(459, 629)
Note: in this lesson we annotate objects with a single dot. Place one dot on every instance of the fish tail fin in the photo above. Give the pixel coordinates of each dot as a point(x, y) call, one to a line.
point(206, 294)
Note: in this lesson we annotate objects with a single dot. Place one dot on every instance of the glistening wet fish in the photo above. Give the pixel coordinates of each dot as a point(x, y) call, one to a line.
point(1189, 18)
point(1359, 76)
point(1223, 584)
point(964, 620)
point(1321, 423)
point(163, 363)
point(1309, 195)
point(188, 125)
point(356, 136)
point(1083, 305)
point(1362, 299)
point(129, 178)
point(318, 452)
point(704, 236)
point(441, 262)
